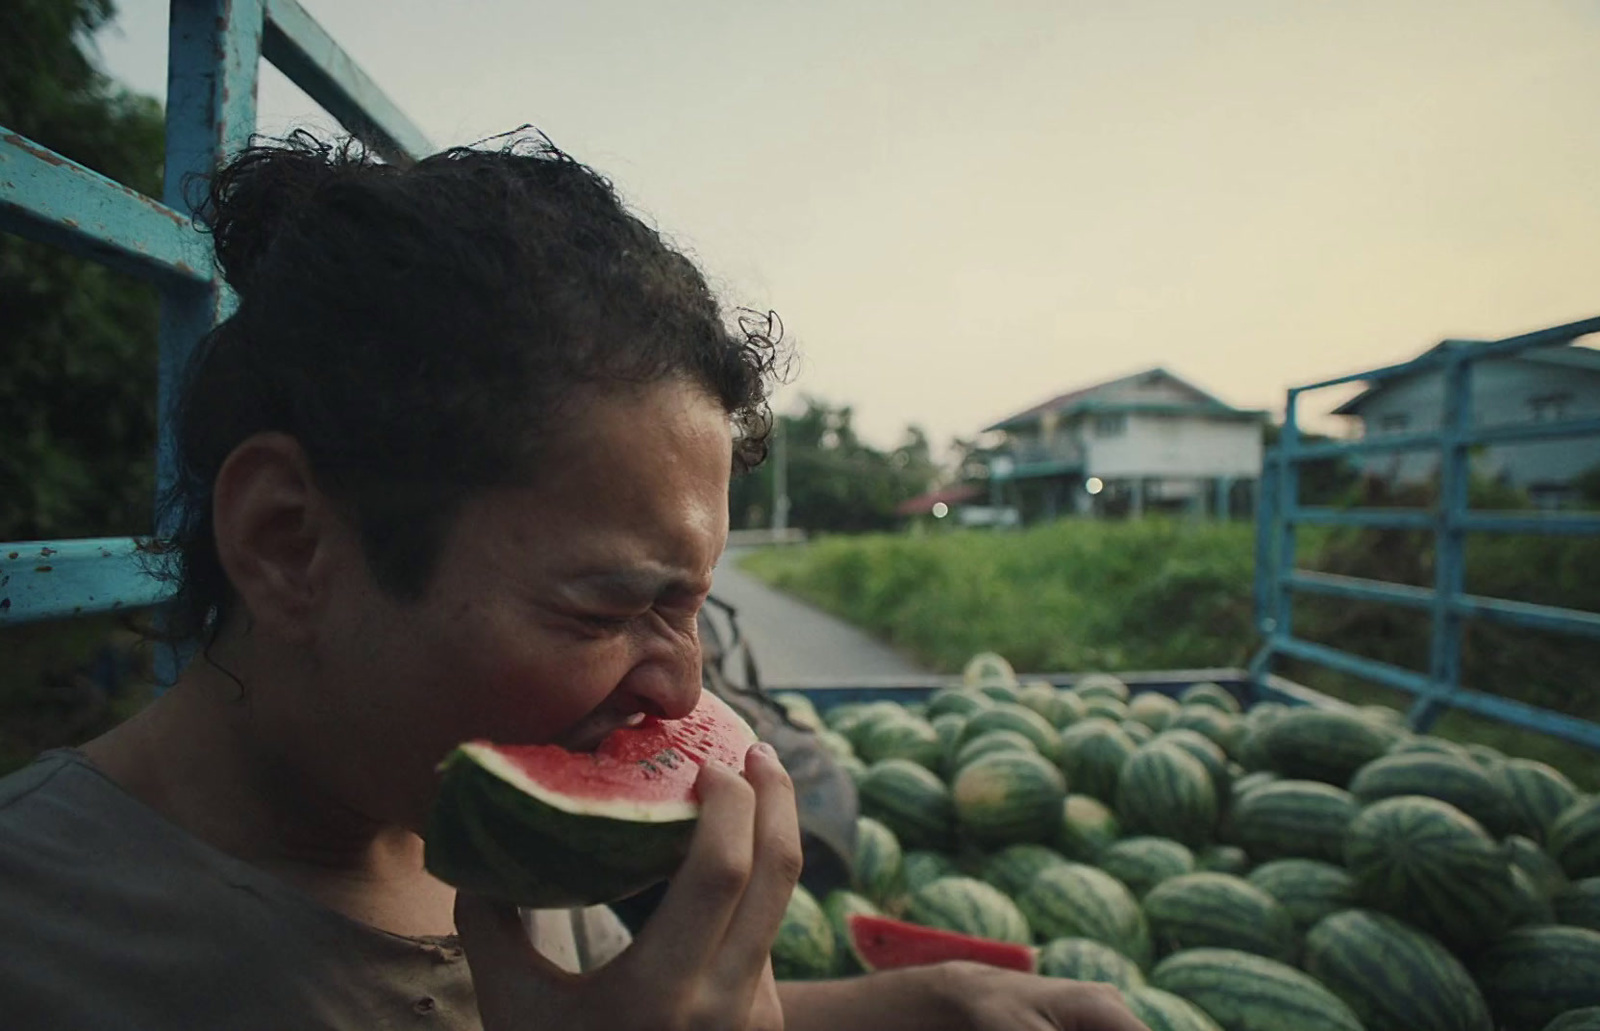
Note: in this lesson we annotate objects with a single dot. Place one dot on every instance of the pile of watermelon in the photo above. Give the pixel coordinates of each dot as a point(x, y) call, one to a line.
point(1276, 869)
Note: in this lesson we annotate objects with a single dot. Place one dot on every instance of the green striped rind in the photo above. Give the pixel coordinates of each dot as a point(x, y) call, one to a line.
point(1535, 974)
point(1088, 827)
point(1077, 901)
point(1429, 863)
point(1070, 708)
point(988, 668)
point(839, 907)
point(1007, 798)
point(1586, 1019)
point(1082, 959)
point(876, 872)
point(1248, 783)
point(1004, 693)
point(961, 702)
point(1092, 754)
point(1529, 905)
point(1008, 716)
point(1058, 709)
point(988, 743)
point(1320, 744)
point(1429, 743)
point(922, 867)
point(911, 801)
point(1102, 685)
point(1395, 977)
point(1538, 792)
point(968, 906)
point(1144, 862)
point(1152, 708)
point(1545, 873)
point(1245, 992)
point(1462, 783)
point(950, 726)
point(1293, 819)
point(1210, 755)
point(483, 830)
point(1163, 1011)
point(1574, 839)
point(1215, 910)
point(799, 709)
point(1140, 733)
point(837, 744)
point(1578, 904)
point(1307, 888)
point(1219, 727)
point(1102, 707)
point(1012, 869)
point(865, 721)
point(803, 949)
point(1214, 695)
point(1223, 859)
point(1164, 790)
point(905, 738)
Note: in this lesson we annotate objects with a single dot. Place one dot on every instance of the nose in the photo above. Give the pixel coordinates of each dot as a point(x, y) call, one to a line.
point(666, 683)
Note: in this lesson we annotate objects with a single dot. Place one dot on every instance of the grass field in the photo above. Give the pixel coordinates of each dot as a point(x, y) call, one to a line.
point(1077, 595)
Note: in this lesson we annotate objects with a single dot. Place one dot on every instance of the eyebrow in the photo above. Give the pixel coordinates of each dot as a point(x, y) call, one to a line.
point(638, 582)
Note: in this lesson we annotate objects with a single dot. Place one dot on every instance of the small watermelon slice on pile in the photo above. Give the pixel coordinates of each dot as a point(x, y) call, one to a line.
point(884, 944)
point(546, 828)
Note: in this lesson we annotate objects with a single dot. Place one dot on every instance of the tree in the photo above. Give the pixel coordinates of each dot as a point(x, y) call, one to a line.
point(77, 403)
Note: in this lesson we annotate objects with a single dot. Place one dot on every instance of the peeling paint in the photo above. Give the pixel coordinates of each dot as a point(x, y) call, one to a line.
point(43, 569)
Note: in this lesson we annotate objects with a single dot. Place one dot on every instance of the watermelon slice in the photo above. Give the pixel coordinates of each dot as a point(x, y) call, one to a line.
point(546, 828)
point(884, 944)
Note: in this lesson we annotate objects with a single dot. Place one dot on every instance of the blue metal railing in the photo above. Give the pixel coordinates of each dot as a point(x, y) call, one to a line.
point(1279, 513)
point(215, 49)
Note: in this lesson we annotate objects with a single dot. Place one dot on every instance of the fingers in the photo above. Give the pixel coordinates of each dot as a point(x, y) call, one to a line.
point(1100, 1007)
point(689, 925)
point(775, 869)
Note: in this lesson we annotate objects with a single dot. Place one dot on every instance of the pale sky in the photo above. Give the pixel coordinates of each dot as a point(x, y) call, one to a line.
point(960, 209)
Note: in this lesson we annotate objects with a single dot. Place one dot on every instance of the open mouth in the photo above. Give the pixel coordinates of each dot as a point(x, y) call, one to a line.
point(588, 735)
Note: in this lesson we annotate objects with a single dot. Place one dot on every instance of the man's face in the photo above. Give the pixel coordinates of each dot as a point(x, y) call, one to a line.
point(554, 614)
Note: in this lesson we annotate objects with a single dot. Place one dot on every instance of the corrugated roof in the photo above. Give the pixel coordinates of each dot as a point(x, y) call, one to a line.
point(1080, 398)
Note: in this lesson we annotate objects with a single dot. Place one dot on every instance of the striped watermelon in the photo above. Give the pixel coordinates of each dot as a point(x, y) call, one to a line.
point(1578, 904)
point(1152, 708)
point(950, 726)
point(1223, 859)
point(839, 907)
point(1586, 1019)
point(1431, 744)
point(1009, 797)
point(799, 710)
point(1003, 693)
point(988, 742)
point(1059, 708)
point(1214, 695)
point(1538, 792)
point(968, 906)
point(1101, 685)
point(1215, 910)
point(1013, 869)
point(1428, 862)
point(1077, 901)
point(957, 700)
point(1082, 959)
point(1210, 755)
point(988, 668)
point(921, 867)
point(836, 744)
point(1393, 976)
point(1008, 716)
point(1248, 783)
point(1088, 826)
point(904, 738)
point(1535, 974)
point(1144, 862)
point(1102, 707)
point(1070, 708)
point(1307, 888)
point(1529, 905)
point(911, 801)
point(1574, 839)
point(1219, 727)
point(1164, 790)
point(1245, 992)
point(1545, 873)
point(1293, 819)
point(1140, 733)
point(1163, 1011)
point(1091, 754)
point(803, 949)
point(1323, 744)
point(876, 871)
point(1462, 783)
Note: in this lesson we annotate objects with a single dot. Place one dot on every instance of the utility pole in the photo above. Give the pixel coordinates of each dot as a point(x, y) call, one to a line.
point(780, 477)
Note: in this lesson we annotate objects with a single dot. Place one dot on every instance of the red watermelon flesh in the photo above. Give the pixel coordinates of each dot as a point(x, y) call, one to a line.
point(544, 827)
point(885, 944)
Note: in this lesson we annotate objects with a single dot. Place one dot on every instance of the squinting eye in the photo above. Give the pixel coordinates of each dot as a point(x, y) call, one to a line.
point(608, 622)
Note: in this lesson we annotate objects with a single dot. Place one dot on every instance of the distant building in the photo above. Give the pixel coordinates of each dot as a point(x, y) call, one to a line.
point(1150, 441)
point(1549, 384)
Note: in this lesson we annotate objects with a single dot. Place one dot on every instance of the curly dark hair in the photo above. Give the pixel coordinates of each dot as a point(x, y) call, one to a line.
point(417, 330)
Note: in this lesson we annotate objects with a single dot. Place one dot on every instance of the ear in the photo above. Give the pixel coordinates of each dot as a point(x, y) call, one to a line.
point(278, 536)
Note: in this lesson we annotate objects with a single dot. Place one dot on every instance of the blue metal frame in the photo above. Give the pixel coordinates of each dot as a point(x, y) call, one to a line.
point(215, 48)
point(1448, 604)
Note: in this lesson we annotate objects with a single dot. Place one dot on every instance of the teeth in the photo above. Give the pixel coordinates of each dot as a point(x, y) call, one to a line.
point(634, 720)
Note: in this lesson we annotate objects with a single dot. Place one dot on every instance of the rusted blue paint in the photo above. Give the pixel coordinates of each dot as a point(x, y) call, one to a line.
point(47, 197)
point(303, 51)
point(55, 579)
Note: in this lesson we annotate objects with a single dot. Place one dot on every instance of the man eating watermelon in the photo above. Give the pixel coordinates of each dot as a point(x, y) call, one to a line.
point(455, 470)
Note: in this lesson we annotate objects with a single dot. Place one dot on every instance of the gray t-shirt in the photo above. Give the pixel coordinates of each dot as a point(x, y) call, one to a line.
point(111, 916)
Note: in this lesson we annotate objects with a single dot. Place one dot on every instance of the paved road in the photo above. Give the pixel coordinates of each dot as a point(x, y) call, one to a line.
point(793, 641)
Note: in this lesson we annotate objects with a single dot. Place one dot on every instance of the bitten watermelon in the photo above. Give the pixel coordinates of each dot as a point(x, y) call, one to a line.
point(1245, 992)
point(546, 828)
point(839, 907)
point(884, 944)
point(1535, 974)
point(1394, 976)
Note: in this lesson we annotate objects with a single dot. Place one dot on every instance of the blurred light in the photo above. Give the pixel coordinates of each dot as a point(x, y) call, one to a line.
point(940, 509)
point(1094, 485)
